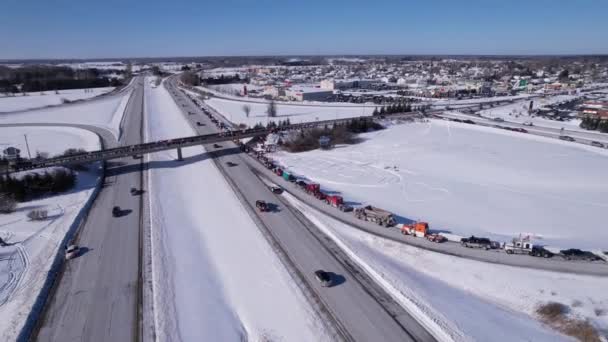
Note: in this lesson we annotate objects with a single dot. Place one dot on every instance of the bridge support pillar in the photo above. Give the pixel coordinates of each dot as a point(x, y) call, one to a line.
point(179, 154)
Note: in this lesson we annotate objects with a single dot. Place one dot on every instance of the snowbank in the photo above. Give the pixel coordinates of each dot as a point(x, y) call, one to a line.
point(48, 98)
point(25, 263)
point(106, 113)
point(459, 294)
point(215, 276)
point(466, 179)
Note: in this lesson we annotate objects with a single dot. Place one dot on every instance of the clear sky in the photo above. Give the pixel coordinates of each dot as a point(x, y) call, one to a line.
point(129, 28)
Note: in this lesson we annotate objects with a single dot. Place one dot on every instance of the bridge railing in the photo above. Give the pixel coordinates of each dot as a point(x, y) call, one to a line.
point(156, 146)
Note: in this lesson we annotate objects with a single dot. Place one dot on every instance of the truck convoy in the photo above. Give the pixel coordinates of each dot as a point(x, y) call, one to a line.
point(416, 229)
point(375, 215)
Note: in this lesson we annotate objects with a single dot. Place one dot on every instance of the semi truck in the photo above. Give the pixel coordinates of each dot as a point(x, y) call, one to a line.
point(337, 202)
point(288, 176)
point(375, 215)
point(416, 229)
point(524, 246)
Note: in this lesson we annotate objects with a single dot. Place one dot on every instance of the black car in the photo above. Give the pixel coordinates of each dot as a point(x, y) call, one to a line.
point(323, 277)
point(597, 144)
point(116, 211)
point(577, 254)
point(476, 242)
point(566, 138)
point(539, 251)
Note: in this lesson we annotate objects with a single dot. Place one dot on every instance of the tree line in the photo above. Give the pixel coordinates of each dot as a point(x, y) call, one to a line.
point(47, 78)
point(393, 109)
point(594, 124)
point(36, 184)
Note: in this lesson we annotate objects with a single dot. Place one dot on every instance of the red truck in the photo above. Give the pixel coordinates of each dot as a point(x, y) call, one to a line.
point(337, 202)
point(312, 188)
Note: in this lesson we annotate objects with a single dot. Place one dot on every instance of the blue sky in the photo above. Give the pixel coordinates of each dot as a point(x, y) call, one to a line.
point(129, 28)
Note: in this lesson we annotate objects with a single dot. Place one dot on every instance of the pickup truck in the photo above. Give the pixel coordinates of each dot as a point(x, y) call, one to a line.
point(476, 242)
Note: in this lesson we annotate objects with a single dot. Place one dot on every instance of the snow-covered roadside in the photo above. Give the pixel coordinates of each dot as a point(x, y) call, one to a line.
point(215, 278)
point(470, 300)
point(106, 113)
point(47, 98)
point(468, 179)
point(34, 245)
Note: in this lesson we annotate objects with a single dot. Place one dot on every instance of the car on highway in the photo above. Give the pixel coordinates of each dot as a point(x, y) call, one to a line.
point(137, 156)
point(597, 144)
point(323, 277)
point(577, 254)
point(438, 238)
point(71, 252)
point(217, 146)
point(198, 123)
point(566, 138)
point(276, 189)
point(262, 206)
point(540, 251)
point(476, 242)
point(497, 119)
point(116, 211)
point(528, 123)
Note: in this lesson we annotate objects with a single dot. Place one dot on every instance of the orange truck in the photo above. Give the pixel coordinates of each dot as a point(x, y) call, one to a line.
point(416, 229)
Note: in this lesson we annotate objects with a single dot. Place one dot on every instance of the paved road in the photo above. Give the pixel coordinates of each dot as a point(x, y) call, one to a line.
point(97, 297)
point(581, 137)
point(358, 312)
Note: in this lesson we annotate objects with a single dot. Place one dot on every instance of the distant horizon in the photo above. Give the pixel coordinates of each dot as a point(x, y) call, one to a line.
point(114, 29)
point(89, 59)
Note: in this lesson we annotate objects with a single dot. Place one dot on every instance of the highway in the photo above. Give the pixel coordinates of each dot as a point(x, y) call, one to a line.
point(360, 308)
point(97, 296)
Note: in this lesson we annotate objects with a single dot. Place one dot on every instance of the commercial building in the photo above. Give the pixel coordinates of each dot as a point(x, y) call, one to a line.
point(308, 94)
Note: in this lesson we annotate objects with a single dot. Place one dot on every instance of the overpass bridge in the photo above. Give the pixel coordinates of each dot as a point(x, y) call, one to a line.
point(177, 143)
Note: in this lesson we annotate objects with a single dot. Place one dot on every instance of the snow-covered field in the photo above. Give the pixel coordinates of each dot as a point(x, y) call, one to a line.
point(105, 113)
point(47, 98)
point(518, 112)
point(233, 111)
point(467, 179)
point(470, 300)
point(24, 264)
point(215, 276)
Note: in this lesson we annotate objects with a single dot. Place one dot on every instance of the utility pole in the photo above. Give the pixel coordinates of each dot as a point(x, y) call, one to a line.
point(28, 146)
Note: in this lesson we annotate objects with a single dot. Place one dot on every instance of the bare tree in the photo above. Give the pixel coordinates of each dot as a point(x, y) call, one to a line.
point(246, 109)
point(272, 109)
